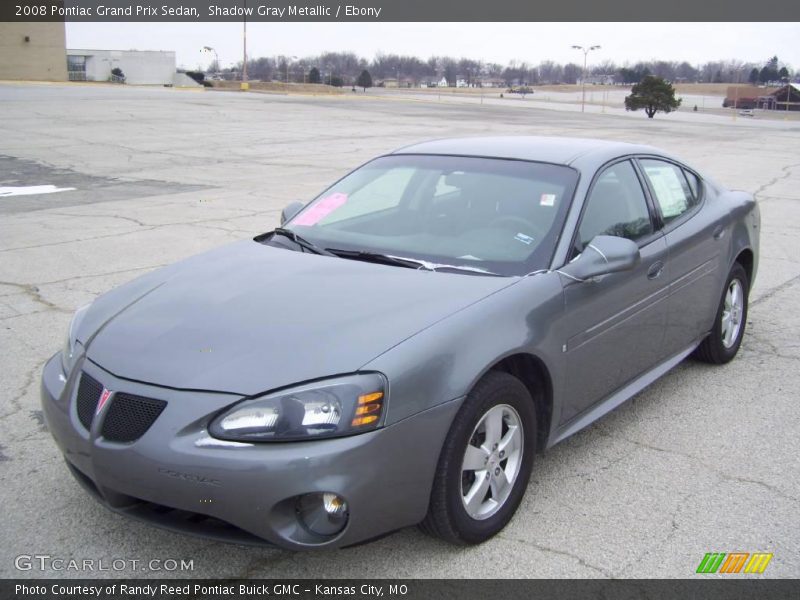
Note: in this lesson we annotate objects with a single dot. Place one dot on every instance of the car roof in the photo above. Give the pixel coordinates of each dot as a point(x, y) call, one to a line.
point(556, 150)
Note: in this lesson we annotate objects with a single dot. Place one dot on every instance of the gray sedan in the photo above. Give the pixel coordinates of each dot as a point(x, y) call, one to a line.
point(398, 351)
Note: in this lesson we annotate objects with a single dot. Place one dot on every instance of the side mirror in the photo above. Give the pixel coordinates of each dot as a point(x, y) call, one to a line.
point(603, 255)
point(290, 211)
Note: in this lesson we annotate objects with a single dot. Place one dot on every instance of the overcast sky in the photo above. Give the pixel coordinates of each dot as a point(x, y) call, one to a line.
point(493, 42)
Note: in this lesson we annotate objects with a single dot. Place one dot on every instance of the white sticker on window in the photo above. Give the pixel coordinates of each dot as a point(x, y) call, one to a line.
point(669, 190)
point(525, 239)
point(547, 200)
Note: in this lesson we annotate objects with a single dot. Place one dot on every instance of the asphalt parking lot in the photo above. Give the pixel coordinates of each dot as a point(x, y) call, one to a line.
point(705, 460)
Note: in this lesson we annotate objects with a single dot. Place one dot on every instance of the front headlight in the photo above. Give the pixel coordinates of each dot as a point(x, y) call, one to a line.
point(330, 408)
point(72, 348)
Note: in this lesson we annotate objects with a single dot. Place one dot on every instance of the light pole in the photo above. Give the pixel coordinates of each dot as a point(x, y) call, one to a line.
point(287, 68)
point(585, 50)
point(216, 57)
point(788, 81)
point(245, 86)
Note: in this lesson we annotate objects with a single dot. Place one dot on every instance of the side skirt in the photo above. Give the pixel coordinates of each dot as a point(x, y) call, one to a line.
point(620, 396)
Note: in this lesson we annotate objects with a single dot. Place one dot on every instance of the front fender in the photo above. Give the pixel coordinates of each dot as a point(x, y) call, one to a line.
point(444, 361)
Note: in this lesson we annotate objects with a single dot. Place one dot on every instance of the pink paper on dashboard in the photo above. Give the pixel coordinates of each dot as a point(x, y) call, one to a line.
point(321, 209)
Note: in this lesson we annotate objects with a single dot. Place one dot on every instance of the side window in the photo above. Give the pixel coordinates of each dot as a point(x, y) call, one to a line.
point(673, 193)
point(616, 206)
point(694, 183)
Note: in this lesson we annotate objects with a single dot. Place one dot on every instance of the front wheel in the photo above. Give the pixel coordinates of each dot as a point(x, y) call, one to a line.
point(723, 342)
point(485, 463)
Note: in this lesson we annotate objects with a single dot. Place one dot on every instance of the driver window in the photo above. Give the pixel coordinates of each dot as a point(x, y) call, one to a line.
point(616, 206)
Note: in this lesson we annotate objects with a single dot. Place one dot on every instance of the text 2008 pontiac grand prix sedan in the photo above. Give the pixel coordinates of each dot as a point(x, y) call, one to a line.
point(400, 349)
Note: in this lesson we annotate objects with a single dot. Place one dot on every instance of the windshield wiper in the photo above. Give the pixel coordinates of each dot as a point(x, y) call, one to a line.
point(377, 257)
point(463, 268)
point(302, 242)
point(410, 263)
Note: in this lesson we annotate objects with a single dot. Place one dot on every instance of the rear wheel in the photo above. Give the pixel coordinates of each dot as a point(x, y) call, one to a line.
point(723, 342)
point(485, 463)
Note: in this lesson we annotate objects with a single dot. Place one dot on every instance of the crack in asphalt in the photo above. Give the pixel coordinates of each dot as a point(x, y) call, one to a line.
point(103, 274)
point(142, 228)
point(722, 474)
point(581, 560)
point(773, 291)
point(786, 169)
point(33, 292)
point(621, 571)
point(15, 402)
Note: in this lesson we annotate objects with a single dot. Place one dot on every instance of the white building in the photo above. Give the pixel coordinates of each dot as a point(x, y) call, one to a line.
point(140, 67)
point(597, 80)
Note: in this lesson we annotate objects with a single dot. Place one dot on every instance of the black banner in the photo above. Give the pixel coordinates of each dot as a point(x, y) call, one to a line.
point(155, 11)
point(462, 589)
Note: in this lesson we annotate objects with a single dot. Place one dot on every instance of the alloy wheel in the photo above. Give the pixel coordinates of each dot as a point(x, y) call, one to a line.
point(492, 461)
point(732, 312)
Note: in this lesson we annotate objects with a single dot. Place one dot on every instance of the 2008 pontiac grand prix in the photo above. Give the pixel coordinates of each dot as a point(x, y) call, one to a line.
point(401, 347)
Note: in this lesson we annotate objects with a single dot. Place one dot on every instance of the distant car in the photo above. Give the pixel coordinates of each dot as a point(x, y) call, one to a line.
point(400, 349)
point(747, 112)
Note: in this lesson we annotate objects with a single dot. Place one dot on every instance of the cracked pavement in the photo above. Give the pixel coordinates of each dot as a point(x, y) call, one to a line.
point(704, 460)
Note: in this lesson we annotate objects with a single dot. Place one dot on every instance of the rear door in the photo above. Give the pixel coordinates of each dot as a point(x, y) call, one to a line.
point(694, 241)
point(617, 321)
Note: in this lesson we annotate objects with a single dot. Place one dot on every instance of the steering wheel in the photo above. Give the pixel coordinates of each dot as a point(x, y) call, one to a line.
point(518, 223)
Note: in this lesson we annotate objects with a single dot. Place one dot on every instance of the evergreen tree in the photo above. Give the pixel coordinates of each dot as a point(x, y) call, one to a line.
point(653, 94)
point(364, 80)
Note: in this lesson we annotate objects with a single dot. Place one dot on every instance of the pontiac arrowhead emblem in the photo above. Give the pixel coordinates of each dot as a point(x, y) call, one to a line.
point(103, 399)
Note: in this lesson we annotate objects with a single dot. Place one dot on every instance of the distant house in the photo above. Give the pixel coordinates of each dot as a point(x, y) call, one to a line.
point(747, 97)
point(392, 82)
point(443, 82)
point(786, 97)
point(491, 82)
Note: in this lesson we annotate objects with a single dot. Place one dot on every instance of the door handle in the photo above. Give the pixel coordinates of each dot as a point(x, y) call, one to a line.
point(719, 232)
point(655, 270)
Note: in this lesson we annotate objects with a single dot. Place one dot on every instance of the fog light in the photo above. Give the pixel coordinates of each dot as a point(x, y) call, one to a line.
point(324, 514)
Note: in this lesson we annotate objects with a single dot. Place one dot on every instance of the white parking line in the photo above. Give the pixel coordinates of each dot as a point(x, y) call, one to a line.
point(30, 190)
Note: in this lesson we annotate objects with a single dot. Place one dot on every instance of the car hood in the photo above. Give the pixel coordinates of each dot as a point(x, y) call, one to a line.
point(247, 318)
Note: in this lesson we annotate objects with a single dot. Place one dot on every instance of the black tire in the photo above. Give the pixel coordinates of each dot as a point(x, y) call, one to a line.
point(447, 516)
point(712, 349)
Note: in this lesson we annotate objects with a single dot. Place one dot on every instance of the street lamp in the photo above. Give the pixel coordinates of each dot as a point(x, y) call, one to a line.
point(216, 56)
point(290, 58)
point(736, 90)
point(244, 86)
point(585, 51)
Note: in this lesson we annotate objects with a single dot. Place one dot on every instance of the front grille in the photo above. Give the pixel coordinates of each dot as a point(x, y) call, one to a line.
point(89, 391)
point(129, 417)
point(192, 523)
point(174, 519)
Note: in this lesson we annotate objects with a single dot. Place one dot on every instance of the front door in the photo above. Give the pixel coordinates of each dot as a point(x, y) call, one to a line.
point(617, 321)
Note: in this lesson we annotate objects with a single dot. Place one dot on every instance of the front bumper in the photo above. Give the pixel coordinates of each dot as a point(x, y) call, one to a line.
point(177, 476)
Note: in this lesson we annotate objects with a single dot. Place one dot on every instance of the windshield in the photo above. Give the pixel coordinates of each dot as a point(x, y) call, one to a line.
point(495, 215)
